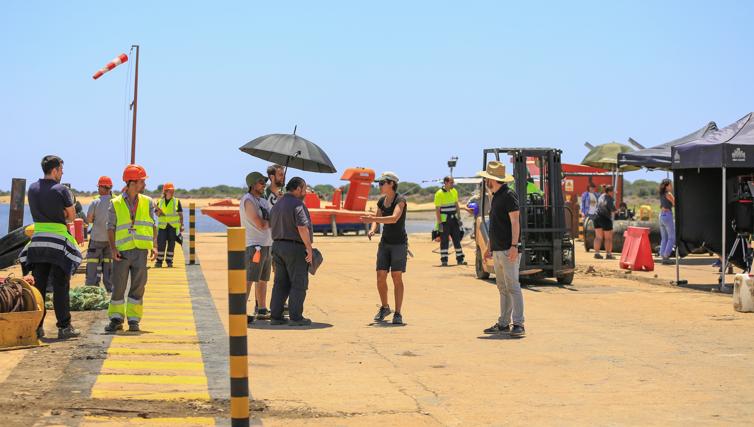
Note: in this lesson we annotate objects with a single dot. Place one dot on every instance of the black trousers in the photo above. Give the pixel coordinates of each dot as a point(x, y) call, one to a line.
point(60, 281)
point(166, 237)
point(291, 279)
point(451, 229)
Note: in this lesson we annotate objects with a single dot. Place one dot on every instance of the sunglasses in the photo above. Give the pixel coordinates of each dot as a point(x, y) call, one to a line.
point(384, 181)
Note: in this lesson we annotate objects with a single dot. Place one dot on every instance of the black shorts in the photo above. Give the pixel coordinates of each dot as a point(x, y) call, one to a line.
point(260, 270)
point(392, 257)
point(603, 222)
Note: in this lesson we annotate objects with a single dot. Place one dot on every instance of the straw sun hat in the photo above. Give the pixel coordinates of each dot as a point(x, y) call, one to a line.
point(495, 171)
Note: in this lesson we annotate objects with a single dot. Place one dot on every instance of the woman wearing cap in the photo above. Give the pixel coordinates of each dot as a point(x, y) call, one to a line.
point(170, 220)
point(392, 252)
point(255, 217)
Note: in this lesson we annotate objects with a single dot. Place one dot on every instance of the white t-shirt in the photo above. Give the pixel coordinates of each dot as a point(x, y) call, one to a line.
point(592, 204)
point(255, 236)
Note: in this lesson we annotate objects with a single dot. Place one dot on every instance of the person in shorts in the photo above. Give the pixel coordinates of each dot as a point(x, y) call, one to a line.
point(392, 252)
point(255, 217)
point(603, 224)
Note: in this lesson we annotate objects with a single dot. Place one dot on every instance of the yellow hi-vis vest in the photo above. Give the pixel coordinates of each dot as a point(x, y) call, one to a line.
point(136, 234)
point(447, 202)
point(169, 214)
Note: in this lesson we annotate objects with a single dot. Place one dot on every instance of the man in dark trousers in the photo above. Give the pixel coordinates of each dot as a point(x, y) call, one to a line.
point(503, 248)
point(52, 255)
point(292, 234)
point(448, 214)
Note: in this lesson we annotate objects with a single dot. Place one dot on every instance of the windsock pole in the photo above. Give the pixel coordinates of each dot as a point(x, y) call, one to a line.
point(136, 93)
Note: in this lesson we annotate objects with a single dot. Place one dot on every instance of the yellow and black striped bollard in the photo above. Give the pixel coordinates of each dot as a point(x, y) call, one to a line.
point(239, 368)
point(192, 234)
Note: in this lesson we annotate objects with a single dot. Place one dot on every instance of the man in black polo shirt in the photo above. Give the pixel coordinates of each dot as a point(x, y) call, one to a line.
point(503, 248)
point(52, 255)
point(291, 228)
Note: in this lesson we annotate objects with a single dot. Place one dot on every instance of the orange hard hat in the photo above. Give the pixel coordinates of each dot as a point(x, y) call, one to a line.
point(168, 186)
point(105, 181)
point(134, 173)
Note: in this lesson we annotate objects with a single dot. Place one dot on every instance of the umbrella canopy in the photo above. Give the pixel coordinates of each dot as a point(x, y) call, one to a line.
point(290, 150)
point(605, 156)
point(658, 157)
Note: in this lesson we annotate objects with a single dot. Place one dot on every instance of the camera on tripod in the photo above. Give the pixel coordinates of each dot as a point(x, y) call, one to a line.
point(743, 208)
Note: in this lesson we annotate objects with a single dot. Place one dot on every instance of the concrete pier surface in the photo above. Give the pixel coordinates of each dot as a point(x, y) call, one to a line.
point(613, 348)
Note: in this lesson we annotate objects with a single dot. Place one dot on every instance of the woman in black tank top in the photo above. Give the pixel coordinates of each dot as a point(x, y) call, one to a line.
point(392, 253)
point(667, 224)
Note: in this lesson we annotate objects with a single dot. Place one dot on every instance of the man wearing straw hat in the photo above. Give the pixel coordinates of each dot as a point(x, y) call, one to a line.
point(504, 232)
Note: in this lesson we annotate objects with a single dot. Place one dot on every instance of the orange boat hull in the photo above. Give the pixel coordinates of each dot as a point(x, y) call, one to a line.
point(321, 218)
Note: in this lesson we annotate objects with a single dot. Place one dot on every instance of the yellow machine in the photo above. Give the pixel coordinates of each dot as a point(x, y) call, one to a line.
point(19, 329)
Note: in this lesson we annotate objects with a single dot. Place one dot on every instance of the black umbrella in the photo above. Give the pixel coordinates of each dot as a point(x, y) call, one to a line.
point(290, 150)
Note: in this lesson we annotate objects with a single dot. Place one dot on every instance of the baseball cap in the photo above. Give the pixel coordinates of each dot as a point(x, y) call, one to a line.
point(387, 175)
point(254, 177)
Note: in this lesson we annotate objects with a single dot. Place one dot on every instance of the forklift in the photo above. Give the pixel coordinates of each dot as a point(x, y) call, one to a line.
point(547, 247)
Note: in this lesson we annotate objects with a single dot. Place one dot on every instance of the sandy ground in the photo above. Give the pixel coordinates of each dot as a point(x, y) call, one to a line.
point(604, 351)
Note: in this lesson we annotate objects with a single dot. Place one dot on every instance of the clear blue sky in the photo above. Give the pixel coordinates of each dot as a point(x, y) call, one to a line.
point(390, 85)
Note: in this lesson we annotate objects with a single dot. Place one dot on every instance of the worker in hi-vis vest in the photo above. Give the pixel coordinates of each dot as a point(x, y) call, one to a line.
point(132, 232)
point(169, 223)
point(448, 224)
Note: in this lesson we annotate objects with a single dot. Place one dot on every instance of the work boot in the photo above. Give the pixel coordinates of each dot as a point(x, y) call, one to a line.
point(170, 265)
point(303, 322)
point(382, 314)
point(497, 329)
point(518, 331)
point(397, 319)
point(462, 262)
point(158, 264)
point(40, 332)
point(278, 322)
point(68, 332)
point(133, 326)
point(115, 325)
point(444, 263)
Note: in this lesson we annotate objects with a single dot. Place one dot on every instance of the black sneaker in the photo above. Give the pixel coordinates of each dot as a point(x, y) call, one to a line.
point(40, 332)
point(114, 326)
point(303, 322)
point(397, 319)
point(597, 256)
point(249, 319)
point(133, 327)
point(497, 329)
point(382, 314)
point(68, 332)
point(518, 331)
point(263, 314)
point(609, 256)
point(278, 322)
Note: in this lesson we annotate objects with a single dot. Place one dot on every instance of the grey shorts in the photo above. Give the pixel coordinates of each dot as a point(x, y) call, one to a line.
point(392, 257)
point(258, 271)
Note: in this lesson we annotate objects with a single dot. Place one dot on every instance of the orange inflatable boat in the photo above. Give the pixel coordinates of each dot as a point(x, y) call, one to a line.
point(344, 215)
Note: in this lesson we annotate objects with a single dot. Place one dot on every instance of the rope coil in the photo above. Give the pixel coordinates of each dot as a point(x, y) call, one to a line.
point(14, 296)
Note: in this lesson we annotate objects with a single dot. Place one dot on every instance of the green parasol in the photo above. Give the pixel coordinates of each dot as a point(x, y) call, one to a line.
point(605, 156)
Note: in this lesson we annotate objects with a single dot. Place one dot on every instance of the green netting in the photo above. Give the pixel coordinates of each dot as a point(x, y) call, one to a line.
point(84, 298)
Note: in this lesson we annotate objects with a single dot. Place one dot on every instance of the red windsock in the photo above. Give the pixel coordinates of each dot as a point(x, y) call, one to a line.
point(110, 65)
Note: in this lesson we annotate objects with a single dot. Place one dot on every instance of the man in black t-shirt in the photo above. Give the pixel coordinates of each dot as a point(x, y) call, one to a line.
point(504, 247)
point(392, 252)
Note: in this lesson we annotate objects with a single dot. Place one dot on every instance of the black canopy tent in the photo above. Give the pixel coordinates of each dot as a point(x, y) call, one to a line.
point(658, 157)
point(705, 174)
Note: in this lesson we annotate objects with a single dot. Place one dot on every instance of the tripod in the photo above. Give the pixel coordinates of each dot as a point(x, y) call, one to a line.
point(742, 239)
